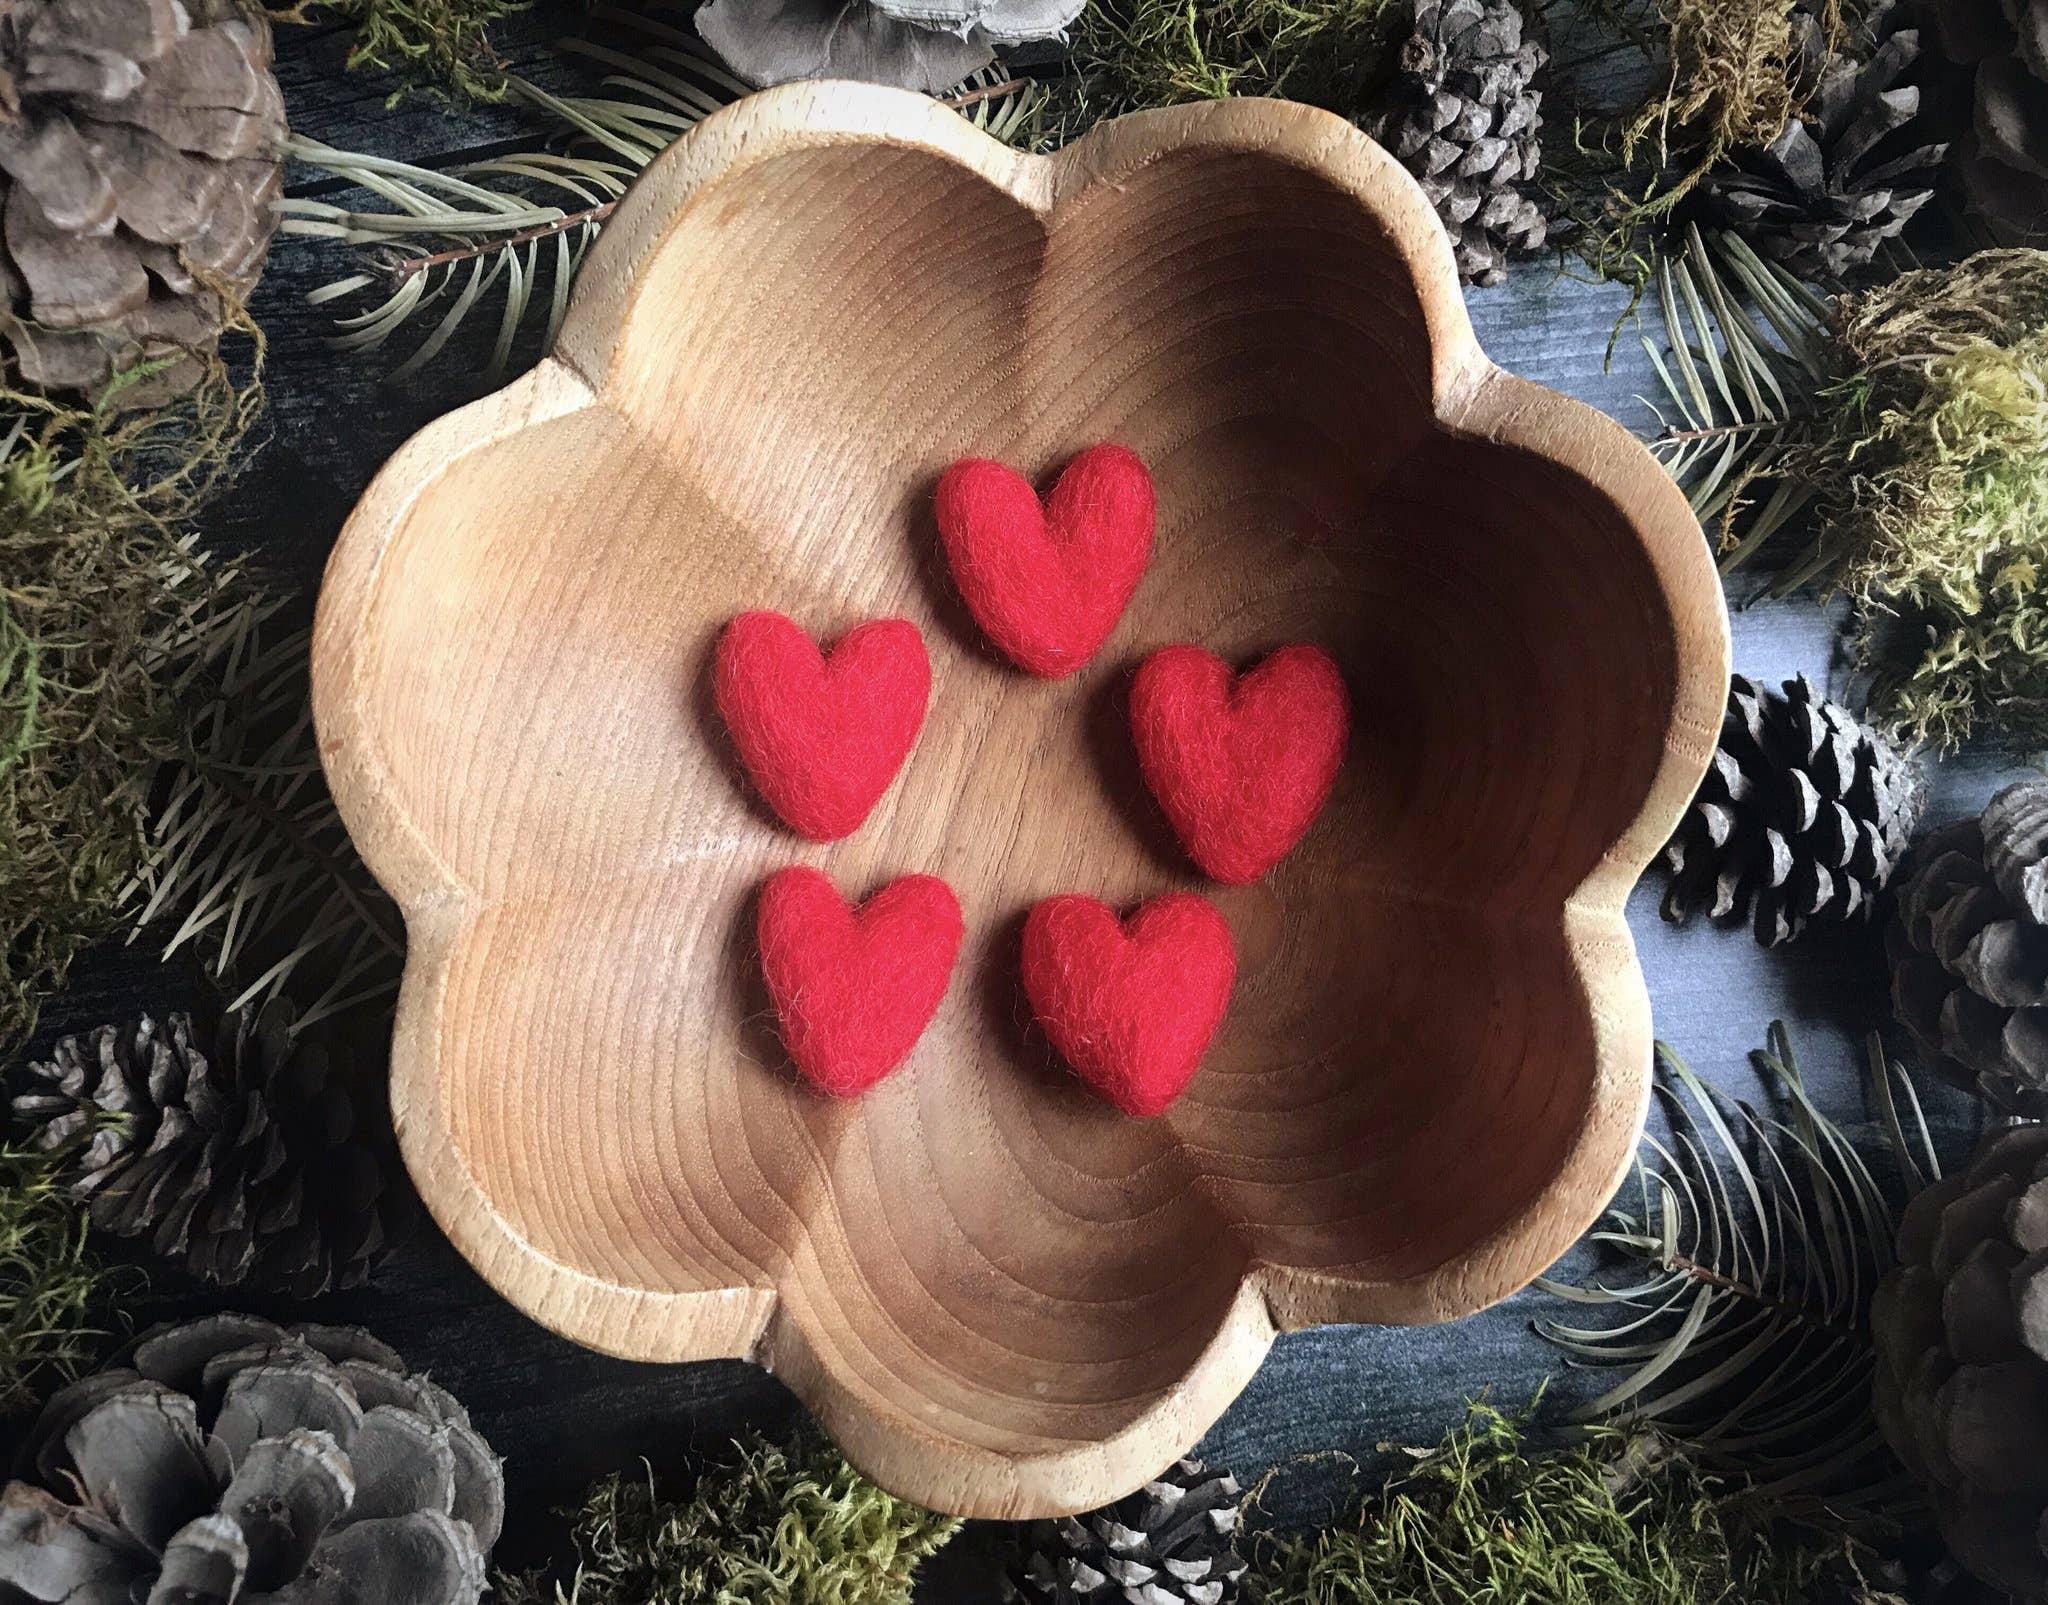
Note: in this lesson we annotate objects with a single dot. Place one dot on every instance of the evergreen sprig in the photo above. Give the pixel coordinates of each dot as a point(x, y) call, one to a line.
point(1755, 1240)
point(513, 230)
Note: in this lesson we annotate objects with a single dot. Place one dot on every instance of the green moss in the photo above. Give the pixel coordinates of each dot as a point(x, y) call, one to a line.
point(1936, 484)
point(107, 615)
point(1615, 1521)
point(443, 44)
point(48, 1282)
point(1133, 54)
point(774, 1527)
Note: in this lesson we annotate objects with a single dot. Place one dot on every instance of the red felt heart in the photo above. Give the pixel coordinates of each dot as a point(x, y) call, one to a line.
point(1048, 583)
point(1130, 1004)
point(821, 738)
point(1242, 765)
point(854, 988)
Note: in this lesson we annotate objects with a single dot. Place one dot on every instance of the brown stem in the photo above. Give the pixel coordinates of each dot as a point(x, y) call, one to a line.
point(398, 272)
point(1721, 431)
point(976, 96)
point(1706, 1273)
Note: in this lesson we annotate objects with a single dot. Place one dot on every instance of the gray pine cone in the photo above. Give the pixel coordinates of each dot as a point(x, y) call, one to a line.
point(1961, 1329)
point(1803, 815)
point(1847, 174)
point(926, 45)
point(140, 149)
point(1969, 950)
point(1170, 1543)
point(245, 1156)
point(232, 1462)
point(2000, 48)
point(1465, 121)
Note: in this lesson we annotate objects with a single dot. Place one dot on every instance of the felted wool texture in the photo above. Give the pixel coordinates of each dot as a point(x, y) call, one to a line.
point(1241, 764)
point(1048, 582)
point(1131, 1005)
point(854, 989)
point(821, 737)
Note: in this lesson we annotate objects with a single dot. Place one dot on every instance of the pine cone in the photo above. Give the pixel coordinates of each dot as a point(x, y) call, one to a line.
point(251, 1161)
point(230, 1460)
point(1803, 815)
point(1465, 122)
point(2000, 50)
point(1961, 1329)
point(1168, 1543)
point(140, 151)
point(1969, 950)
point(1850, 171)
point(926, 45)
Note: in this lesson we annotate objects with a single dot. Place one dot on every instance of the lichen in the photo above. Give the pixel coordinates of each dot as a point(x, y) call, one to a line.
point(49, 1280)
point(107, 615)
point(771, 1527)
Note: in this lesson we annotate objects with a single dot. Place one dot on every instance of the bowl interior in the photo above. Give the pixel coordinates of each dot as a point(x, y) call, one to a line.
point(1410, 1053)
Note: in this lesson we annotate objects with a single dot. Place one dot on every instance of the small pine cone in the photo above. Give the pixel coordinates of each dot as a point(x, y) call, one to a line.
point(141, 147)
point(1969, 950)
point(1170, 1543)
point(1850, 171)
point(1961, 1332)
point(1803, 815)
point(250, 1159)
point(230, 1462)
point(1465, 122)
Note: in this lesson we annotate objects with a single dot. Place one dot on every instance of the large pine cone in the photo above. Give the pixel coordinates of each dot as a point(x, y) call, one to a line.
point(1848, 173)
point(140, 151)
point(1170, 1543)
point(926, 45)
point(231, 1460)
point(1969, 950)
point(1803, 815)
point(2000, 47)
point(1961, 1327)
point(1465, 122)
point(247, 1158)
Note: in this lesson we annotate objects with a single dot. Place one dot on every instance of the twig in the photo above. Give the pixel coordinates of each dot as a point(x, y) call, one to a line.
point(974, 97)
point(399, 269)
point(1799, 1312)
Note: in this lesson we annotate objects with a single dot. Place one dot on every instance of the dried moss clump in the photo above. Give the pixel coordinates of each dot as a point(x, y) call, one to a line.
point(443, 44)
point(775, 1527)
point(1936, 479)
point(1132, 54)
point(48, 1280)
point(107, 625)
point(1618, 1521)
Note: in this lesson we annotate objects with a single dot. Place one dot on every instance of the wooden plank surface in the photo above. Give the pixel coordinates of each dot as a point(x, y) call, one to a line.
point(562, 1415)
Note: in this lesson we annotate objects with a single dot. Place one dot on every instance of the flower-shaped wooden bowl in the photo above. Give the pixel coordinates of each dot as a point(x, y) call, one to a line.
point(1000, 1296)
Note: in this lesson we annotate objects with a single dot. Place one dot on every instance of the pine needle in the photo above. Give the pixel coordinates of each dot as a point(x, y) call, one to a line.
point(1752, 1246)
point(512, 232)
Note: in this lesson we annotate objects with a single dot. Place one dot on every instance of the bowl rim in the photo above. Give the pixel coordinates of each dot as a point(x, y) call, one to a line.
point(1471, 399)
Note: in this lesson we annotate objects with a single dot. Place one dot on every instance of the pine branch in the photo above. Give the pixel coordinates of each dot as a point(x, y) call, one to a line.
point(515, 228)
point(1758, 1240)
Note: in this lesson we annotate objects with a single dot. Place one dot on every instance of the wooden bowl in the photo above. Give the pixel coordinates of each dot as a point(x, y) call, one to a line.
point(1001, 1297)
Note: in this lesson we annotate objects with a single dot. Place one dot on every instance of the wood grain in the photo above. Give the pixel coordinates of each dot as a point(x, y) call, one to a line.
point(1002, 1298)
